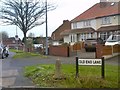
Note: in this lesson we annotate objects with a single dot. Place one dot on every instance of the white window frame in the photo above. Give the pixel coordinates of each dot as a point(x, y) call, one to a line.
point(74, 25)
point(106, 20)
point(87, 23)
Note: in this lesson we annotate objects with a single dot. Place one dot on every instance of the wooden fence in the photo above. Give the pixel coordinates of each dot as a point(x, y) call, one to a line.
point(102, 50)
point(77, 46)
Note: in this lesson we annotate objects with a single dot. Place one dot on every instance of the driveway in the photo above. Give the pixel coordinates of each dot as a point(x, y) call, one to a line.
point(12, 69)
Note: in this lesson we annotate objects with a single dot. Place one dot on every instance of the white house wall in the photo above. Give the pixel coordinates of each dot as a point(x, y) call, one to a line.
point(118, 20)
point(67, 39)
point(95, 24)
point(114, 21)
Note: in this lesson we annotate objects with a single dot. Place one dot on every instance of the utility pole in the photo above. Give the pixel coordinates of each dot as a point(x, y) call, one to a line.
point(16, 30)
point(46, 30)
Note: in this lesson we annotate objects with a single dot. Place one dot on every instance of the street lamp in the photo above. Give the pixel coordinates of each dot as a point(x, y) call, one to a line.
point(16, 39)
point(46, 49)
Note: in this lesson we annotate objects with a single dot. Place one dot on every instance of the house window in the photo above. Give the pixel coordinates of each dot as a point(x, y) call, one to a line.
point(74, 25)
point(89, 35)
point(87, 23)
point(103, 35)
point(82, 37)
point(106, 20)
point(72, 38)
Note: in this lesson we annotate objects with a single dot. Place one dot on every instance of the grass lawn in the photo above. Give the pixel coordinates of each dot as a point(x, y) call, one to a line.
point(89, 76)
point(22, 54)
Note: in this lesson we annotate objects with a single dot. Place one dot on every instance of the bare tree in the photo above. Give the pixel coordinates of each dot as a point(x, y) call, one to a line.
point(4, 34)
point(24, 14)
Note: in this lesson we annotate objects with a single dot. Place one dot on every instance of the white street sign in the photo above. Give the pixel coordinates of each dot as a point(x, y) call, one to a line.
point(89, 61)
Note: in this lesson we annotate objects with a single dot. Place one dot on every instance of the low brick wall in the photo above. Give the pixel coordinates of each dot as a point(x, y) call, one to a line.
point(99, 51)
point(59, 51)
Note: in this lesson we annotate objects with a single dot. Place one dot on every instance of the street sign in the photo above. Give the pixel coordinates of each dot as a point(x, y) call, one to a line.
point(94, 62)
point(89, 61)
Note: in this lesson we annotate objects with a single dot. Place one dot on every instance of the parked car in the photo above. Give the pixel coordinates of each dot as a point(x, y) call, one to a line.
point(90, 44)
point(4, 52)
point(113, 40)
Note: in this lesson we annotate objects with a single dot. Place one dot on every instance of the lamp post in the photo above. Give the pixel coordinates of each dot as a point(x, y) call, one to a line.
point(16, 39)
point(46, 49)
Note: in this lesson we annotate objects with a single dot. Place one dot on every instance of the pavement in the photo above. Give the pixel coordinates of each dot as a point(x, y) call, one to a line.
point(12, 76)
point(12, 69)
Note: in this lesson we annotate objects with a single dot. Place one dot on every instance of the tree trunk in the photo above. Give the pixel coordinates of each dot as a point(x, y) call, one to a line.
point(25, 40)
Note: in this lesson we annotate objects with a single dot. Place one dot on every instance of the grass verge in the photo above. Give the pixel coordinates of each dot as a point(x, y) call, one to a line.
point(89, 76)
point(22, 54)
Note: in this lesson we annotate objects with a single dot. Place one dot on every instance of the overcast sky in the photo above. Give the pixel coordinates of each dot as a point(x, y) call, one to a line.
point(66, 10)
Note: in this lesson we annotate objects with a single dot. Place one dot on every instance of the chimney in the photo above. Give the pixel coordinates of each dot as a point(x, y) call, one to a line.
point(103, 3)
point(65, 21)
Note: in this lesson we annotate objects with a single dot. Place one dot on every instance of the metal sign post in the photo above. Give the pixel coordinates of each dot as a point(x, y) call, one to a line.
point(103, 68)
point(77, 69)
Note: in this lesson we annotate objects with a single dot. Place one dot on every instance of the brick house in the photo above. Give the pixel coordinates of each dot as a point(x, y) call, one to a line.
point(11, 42)
point(57, 38)
point(101, 20)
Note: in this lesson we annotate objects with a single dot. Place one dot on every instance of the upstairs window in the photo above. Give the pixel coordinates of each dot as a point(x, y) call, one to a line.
point(106, 20)
point(74, 25)
point(87, 23)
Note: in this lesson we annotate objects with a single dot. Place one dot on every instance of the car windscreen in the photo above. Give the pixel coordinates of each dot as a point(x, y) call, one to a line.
point(113, 38)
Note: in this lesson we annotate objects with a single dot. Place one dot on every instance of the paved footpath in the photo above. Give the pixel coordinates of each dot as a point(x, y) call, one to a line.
point(12, 70)
point(12, 76)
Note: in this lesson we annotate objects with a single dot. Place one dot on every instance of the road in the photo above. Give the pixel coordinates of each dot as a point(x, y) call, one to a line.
point(12, 69)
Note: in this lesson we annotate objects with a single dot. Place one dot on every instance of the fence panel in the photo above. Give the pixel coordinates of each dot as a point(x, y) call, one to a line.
point(116, 49)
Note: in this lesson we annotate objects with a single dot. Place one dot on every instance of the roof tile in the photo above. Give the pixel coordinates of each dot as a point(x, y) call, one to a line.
point(98, 11)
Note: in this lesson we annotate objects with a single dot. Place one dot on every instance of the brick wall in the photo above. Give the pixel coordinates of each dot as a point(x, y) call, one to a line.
point(59, 51)
point(99, 51)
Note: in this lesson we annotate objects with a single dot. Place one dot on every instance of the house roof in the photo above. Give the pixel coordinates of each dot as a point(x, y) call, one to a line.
point(82, 30)
point(109, 28)
point(56, 34)
point(97, 11)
